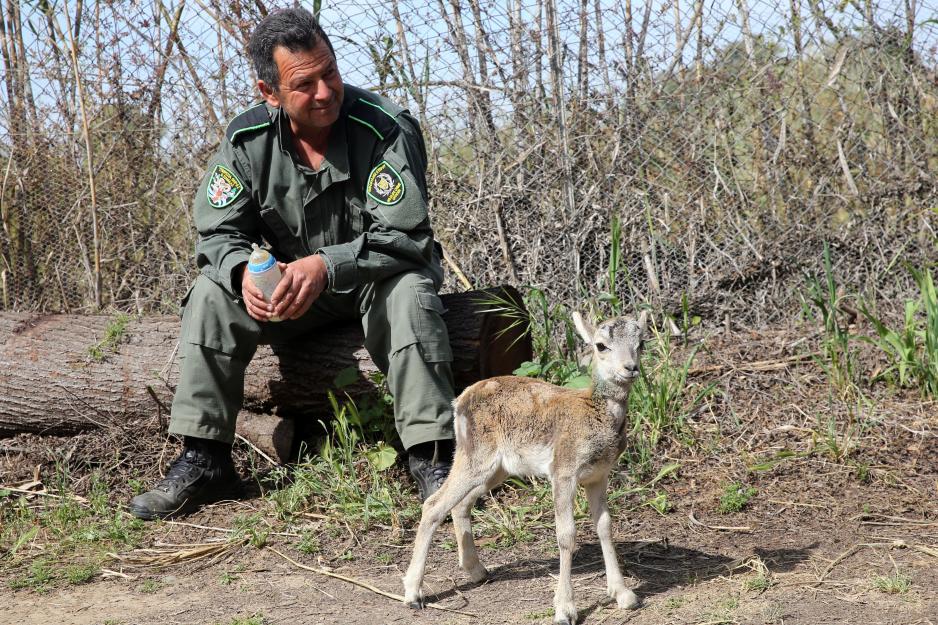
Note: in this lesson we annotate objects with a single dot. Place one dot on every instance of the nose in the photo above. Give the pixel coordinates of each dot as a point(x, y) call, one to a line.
point(323, 91)
point(630, 368)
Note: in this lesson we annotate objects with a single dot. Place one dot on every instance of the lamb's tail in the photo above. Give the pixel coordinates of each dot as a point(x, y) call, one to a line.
point(461, 424)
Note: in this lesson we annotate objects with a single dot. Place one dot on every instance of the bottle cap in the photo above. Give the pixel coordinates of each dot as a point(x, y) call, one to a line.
point(261, 260)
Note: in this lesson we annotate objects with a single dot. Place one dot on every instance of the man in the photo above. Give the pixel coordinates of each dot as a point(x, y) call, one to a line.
point(333, 178)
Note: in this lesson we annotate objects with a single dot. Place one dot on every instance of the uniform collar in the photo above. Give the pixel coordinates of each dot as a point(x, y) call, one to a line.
point(335, 166)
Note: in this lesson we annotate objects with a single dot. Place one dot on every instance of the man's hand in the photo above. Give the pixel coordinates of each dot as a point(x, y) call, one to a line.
point(303, 281)
point(258, 308)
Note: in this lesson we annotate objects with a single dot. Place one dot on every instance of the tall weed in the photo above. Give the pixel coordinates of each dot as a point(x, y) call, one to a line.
point(913, 349)
point(662, 399)
point(822, 304)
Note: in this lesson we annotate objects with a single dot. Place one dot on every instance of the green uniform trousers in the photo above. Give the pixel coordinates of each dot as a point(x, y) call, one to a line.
point(404, 333)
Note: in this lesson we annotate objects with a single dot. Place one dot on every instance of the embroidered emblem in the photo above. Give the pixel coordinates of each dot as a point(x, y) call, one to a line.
point(385, 186)
point(223, 187)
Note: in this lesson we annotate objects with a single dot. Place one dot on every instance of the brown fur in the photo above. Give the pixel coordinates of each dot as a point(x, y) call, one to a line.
point(512, 425)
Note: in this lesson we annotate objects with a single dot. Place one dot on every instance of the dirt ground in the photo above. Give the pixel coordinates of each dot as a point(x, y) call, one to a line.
point(811, 548)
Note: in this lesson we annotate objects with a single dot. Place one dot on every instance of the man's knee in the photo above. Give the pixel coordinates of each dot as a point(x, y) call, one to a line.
point(214, 318)
point(414, 313)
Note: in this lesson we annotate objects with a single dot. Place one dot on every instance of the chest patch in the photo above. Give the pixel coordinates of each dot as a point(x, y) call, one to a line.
point(223, 187)
point(385, 186)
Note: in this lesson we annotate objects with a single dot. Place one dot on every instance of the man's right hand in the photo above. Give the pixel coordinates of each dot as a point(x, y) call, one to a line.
point(258, 308)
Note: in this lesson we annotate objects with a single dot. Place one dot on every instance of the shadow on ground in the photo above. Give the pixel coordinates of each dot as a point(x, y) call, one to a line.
point(657, 566)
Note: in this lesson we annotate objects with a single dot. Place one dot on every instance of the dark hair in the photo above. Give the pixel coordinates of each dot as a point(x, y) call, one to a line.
point(294, 29)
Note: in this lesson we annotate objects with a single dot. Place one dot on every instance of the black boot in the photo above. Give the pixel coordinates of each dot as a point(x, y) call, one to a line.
point(430, 464)
point(202, 473)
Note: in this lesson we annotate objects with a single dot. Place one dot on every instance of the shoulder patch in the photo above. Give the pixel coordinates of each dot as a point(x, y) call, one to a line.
point(374, 117)
point(385, 185)
point(223, 187)
point(250, 120)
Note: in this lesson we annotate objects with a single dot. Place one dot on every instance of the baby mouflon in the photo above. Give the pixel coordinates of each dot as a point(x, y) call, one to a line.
point(521, 426)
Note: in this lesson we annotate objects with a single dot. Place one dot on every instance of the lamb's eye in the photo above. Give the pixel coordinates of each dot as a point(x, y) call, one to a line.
point(601, 347)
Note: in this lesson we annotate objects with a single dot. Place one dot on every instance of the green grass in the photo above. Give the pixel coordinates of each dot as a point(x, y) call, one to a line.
point(895, 584)
point(736, 497)
point(62, 540)
point(662, 399)
point(150, 586)
point(349, 480)
point(113, 337)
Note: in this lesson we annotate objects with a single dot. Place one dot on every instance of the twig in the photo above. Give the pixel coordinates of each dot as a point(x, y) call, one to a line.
point(225, 529)
point(456, 269)
point(44, 493)
point(365, 585)
point(725, 528)
point(891, 520)
point(257, 449)
point(758, 365)
point(836, 561)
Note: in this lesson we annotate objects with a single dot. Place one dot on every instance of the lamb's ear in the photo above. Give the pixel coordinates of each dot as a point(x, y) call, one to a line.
point(584, 328)
point(643, 321)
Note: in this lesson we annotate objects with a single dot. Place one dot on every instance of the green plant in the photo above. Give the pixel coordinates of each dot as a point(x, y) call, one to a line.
point(79, 574)
point(308, 544)
point(150, 586)
point(912, 350)
point(510, 525)
point(249, 528)
point(113, 336)
point(348, 479)
point(895, 584)
point(659, 503)
point(72, 534)
point(662, 398)
point(536, 616)
point(736, 497)
point(838, 360)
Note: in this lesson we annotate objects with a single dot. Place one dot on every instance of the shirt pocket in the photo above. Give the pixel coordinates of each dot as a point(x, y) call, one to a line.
point(287, 241)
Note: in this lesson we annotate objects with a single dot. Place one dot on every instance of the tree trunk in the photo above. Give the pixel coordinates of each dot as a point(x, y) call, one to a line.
point(53, 385)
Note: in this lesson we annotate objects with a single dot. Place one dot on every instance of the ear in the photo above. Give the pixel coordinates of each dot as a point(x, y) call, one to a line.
point(269, 94)
point(584, 328)
point(643, 321)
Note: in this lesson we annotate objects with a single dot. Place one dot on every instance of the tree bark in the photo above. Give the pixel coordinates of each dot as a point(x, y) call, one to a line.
point(52, 384)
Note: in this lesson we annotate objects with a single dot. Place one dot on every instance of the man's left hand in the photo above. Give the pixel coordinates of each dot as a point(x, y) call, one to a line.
point(302, 282)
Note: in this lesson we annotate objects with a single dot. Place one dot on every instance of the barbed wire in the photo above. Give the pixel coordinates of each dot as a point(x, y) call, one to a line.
point(723, 142)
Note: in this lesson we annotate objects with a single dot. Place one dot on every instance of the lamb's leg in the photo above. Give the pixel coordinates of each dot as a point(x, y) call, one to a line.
point(564, 492)
point(462, 527)
point(599, 510)
point(459, 484)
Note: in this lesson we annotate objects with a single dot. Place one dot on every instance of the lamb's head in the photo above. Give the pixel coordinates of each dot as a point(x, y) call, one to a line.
point(617, 348)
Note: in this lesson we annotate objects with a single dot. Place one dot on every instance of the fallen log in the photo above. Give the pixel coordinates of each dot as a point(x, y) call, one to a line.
point(62, 374)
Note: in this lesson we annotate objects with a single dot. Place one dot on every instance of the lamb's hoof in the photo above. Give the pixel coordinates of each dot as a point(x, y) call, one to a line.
point(565, 619)
point(417, 604)
point(626, 599)
point(478, 575)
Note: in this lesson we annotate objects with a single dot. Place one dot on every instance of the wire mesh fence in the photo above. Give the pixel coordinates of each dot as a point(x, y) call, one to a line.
point(722, 143)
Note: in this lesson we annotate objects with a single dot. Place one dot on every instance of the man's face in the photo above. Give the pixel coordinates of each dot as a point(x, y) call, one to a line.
point(310, 89)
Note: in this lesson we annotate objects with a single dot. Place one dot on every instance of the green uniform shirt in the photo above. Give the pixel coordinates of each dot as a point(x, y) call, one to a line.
point(364, 210)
